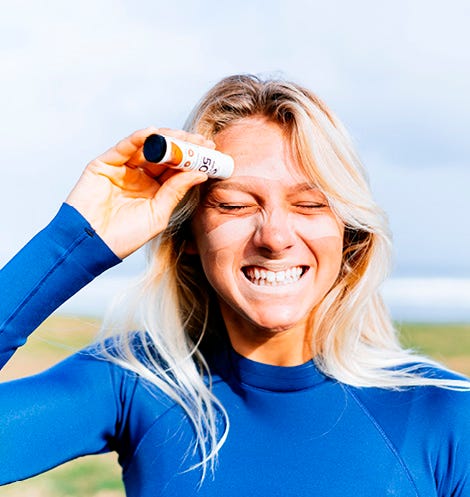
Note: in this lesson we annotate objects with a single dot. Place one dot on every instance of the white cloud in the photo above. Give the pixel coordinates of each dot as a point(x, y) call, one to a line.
point(78, 76)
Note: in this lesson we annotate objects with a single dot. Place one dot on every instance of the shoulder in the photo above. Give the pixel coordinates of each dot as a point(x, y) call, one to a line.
point(438, 396)
point(131, 362)
point(427, 426)
point(427, 419)
point(141, 401)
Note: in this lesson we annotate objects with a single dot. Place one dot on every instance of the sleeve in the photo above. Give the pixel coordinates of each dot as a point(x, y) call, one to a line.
point(71, 409)
point(53, 266)
point(76, 408)
point(452, 467)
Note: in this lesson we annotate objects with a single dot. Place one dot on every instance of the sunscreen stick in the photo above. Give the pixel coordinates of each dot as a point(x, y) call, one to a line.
point(187, 156)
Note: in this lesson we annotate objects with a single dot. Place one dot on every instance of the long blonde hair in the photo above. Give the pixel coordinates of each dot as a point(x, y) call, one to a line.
point(352, 329)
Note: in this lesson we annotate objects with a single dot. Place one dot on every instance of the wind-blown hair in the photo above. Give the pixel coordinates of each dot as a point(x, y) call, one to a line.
point(352, 330)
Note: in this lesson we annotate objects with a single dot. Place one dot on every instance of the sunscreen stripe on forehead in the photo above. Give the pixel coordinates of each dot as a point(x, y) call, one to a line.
point(245, 186)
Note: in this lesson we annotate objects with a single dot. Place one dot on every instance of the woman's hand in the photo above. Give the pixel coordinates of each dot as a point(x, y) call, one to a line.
point(128, 200)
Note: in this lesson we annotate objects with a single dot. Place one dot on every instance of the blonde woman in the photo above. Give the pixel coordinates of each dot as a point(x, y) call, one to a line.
point(257, 357)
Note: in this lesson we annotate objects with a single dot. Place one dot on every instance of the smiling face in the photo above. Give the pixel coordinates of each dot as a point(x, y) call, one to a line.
point(269, 243)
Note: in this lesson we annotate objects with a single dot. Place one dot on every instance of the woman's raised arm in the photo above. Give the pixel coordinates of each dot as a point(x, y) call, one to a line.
point(120, 202)
point(128, 200)
point(122, 198)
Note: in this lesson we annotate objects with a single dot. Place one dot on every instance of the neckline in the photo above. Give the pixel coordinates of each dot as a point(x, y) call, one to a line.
point(274, 378)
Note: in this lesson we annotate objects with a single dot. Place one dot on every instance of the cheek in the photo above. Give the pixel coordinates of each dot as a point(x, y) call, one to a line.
point(318, 228)
point(217, 245)
point(329, 248)
point(221, 259)
point(324, 235)
point(329, 257)
point(227, 234)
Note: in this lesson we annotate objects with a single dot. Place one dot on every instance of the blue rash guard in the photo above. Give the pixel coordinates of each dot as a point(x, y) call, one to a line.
point(294, 432)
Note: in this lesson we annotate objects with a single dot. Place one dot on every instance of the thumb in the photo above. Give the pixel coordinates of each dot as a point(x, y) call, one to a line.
point(172, 192)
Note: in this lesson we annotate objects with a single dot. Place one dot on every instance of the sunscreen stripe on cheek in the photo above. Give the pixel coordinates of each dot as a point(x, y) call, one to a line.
point(318, 227)
point(237, 230)
point(230, 232)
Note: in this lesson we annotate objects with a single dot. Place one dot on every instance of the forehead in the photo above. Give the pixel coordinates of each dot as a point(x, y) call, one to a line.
point(260, 149)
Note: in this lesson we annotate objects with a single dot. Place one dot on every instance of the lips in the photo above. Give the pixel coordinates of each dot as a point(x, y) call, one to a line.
point(265, 277)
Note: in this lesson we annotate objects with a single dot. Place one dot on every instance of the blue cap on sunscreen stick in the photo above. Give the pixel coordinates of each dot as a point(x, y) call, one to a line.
point(155, 147)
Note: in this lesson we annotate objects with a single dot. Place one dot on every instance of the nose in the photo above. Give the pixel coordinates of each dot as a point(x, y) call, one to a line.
point(274, 232)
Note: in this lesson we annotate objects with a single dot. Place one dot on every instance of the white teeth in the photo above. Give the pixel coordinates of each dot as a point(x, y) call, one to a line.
point(264, 277)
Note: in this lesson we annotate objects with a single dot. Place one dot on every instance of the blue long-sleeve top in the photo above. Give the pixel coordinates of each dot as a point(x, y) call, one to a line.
point(294, 432)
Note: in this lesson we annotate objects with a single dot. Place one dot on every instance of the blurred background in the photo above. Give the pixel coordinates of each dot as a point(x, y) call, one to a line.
point(78, 76)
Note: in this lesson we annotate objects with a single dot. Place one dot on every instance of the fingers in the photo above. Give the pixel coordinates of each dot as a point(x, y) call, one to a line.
point(122, 152)
point(173, 190)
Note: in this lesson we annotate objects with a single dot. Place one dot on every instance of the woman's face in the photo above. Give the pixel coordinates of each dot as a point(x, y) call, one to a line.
point(269, 243)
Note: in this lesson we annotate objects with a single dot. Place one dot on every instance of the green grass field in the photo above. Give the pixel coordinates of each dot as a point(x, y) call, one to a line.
point(99, 476)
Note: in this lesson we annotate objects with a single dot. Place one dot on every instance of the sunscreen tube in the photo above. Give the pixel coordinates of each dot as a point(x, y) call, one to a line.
point(187, 156)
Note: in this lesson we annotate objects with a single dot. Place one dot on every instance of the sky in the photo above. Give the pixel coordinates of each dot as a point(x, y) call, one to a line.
point(78, 76)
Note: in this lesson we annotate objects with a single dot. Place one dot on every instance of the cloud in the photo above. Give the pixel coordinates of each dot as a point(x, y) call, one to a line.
point(427, 211)
point(78, 76)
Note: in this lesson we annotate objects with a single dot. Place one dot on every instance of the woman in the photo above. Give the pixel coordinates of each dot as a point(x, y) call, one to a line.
point(267, 363)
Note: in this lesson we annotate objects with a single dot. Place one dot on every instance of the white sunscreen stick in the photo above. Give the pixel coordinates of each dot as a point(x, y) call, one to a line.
point(184, 155)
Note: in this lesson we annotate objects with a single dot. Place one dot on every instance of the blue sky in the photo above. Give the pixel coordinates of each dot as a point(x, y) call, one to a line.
point(76, 77)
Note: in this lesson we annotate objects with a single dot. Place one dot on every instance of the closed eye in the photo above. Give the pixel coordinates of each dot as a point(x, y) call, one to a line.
point(311, 205)
point(233, 207)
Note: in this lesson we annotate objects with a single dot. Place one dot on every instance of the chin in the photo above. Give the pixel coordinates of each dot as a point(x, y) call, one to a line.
point(268, 321)
point(273, 326)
